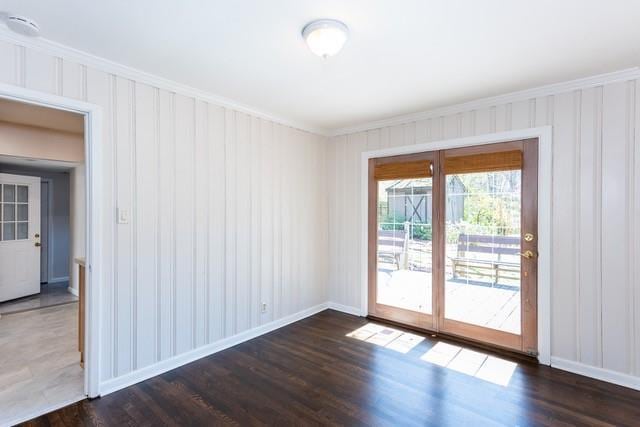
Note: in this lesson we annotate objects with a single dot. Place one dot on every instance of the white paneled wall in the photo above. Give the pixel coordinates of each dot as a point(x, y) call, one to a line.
point(227, 211)
point(596, 211)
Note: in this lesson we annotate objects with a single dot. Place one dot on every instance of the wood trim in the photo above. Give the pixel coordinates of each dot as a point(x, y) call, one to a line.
point(482, 334)
point(529, 268)
point(457, 339)
point(407, 170)
point(373, 236)
point(398, 167)
point(439, 243)
point(486, 162)
point(517, 154)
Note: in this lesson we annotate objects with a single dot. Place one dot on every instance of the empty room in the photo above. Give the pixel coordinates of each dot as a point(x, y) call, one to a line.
point(320, 213)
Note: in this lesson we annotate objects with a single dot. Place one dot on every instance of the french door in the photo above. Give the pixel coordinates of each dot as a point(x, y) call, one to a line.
point(453, 242)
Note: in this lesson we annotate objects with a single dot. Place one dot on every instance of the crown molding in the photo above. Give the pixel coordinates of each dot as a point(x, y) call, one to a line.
point(68, 53)
point(541, 91)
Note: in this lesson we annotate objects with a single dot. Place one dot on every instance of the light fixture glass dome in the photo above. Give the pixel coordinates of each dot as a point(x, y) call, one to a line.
point(325, 37)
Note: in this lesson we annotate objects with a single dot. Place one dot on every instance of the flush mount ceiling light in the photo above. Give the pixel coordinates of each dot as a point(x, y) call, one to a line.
point(325, 37)
point(22, 25)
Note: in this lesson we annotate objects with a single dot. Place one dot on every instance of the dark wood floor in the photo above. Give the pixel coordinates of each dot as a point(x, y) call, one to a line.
point(311, 373)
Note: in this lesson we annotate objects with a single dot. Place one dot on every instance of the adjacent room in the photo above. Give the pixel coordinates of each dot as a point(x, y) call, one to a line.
point(320, 213)
point(42, 220)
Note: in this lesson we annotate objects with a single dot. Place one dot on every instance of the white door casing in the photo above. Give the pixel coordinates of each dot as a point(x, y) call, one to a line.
point(19, 225)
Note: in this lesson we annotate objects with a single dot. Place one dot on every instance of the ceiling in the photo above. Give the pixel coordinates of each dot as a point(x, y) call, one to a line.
point(7, 162)
point(34, 115)
point(403, 56)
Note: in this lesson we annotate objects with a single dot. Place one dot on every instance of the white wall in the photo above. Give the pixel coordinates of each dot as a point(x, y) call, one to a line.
point(40, 143)
point(596, 209)
point(227, 210)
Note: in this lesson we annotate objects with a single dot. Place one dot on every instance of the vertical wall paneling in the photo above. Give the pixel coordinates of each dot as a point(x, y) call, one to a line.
point(563, 245)
point(615, 325)
point(255, 173)
point(226, 211)
point(266, 218)
point(123, 122)
point(166, 221)
point(230, 222)
point(243, 224)
point(9, 63)
point(99, 89)
point(185, 227)
point(201, 227)
point(595, 290)
point(40, 71)
point(635, 238)
point(145, 221)
point(277, 220)
point(588, 250)
point(217, 211)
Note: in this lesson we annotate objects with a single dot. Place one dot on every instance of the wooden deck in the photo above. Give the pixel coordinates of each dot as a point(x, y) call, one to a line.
point(478, 304)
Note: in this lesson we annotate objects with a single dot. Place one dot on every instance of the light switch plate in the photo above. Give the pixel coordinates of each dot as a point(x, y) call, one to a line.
point(122, 216)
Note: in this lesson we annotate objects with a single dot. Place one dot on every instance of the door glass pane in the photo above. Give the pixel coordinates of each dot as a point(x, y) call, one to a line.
point(9, 231)
point(482, 273)
point(23, 230)
point(23, 212)
point(23, 193)
point(9, 193)
point(404, 250)
point(9, 212)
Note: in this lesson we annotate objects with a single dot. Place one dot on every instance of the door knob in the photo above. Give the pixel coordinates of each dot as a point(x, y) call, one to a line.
point(527, 254)
point(38, 244)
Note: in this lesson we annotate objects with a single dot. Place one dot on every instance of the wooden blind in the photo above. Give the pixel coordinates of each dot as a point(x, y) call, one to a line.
point(487, 162)
point(403, 170)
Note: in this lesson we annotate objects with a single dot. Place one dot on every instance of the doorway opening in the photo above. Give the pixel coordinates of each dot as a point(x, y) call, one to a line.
point(452, 242)
point(42, 242)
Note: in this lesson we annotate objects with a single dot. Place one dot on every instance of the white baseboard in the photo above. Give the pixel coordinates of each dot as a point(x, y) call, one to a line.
point(345, 308)
point(163, 366)
point(73, 291)
point(602, 374)
point(58, 279)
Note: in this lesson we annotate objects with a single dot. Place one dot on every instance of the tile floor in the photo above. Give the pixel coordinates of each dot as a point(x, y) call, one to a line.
point(39, 360)
point(51, 294)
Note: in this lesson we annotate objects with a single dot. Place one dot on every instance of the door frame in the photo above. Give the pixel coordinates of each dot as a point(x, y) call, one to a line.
point(94, 222)
point(545, 137)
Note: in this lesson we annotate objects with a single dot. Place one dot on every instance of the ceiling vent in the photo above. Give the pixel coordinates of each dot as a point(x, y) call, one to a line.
point(23, 25)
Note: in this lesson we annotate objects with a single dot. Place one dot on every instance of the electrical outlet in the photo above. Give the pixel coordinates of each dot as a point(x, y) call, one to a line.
point(264, 307)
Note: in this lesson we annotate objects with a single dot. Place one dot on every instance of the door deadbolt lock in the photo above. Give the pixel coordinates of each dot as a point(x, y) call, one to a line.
point(37, 235)
point(528, 237)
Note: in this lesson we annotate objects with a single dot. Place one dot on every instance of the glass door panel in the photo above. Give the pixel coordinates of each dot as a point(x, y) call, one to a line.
point(404, 244)
point(482, 262)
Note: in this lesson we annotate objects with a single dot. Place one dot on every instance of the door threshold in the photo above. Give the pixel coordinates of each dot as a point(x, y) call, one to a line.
point(478, 345)
point(45, 410)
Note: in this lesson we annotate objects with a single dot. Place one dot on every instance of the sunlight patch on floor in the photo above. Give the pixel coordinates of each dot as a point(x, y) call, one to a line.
point(386, 337)
point(473, 363)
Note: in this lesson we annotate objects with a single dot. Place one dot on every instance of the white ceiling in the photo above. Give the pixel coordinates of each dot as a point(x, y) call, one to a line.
point(7, 162)
point(403, 56)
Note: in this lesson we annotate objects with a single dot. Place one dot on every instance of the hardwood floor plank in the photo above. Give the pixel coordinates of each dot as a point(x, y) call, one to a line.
point(312, 373)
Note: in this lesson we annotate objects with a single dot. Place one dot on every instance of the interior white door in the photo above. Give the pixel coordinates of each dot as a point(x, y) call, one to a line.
point(19, 236)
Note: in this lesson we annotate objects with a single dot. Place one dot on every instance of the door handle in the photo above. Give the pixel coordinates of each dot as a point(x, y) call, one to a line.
point(37, 244)
point(527, 254)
